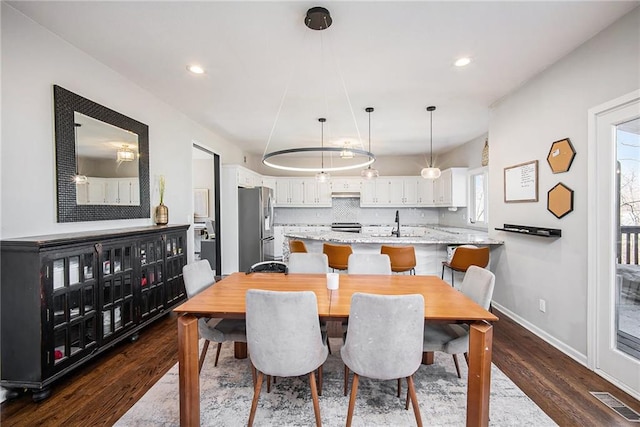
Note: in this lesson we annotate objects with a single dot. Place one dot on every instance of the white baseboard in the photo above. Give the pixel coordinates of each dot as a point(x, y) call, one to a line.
point(569, 351)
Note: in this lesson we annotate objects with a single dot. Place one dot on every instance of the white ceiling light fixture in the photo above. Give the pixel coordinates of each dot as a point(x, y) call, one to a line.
point(317, 18)
point(125, 154)
point(322, 176)
point(431, 172)
point(461, 62)
point(195, 69)
point(369, 173)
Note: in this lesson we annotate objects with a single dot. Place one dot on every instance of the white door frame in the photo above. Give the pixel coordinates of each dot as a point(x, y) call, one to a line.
point(599, 244)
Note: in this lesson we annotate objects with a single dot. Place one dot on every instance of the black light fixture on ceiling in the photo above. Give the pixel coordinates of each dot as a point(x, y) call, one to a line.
point(430, 172)
point(369, 173)
point(319, 19)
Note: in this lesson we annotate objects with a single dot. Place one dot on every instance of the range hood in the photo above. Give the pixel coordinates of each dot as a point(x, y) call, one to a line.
point(345, 194)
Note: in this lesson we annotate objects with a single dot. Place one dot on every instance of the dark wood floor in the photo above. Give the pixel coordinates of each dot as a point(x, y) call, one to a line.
point(102, 391)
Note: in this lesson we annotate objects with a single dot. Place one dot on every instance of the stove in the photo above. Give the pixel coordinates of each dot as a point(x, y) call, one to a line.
point(348, 227)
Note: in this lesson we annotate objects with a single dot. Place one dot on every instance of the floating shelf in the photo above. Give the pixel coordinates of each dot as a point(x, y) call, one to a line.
point(531, 231)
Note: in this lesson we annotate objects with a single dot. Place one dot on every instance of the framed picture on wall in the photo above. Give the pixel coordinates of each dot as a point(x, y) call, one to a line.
point(200, 203)
point(521, 182)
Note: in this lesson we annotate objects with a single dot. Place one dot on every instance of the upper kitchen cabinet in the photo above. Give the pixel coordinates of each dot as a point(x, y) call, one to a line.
point(376, 193)
point(290, 192)
point(346, 185)
point(269, 182)
point(248, 178)
point(403, 191)
point(450, 190)
point(425, 192)
point(316, 193)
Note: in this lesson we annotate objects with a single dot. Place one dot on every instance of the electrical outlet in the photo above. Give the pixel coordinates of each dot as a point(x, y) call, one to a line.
point(543, 306)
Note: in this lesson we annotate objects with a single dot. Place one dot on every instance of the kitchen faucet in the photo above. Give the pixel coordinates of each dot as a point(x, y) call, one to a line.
point(397, 231)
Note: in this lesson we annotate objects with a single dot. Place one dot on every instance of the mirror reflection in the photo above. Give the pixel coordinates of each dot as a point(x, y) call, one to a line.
point(107, 167)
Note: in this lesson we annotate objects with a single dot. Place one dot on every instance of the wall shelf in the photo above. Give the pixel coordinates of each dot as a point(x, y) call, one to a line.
point(531, 231)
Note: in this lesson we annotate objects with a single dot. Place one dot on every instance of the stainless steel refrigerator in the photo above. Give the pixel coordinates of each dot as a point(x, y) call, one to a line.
point(255, 226)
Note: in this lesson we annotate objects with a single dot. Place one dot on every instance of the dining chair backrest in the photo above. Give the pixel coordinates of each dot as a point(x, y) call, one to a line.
point(308, 263)
point(385, 335)
point(297, 246)
point(369, 264)
point(283, 332)
point(211, 230)
point(197, 277)
point(478, 284)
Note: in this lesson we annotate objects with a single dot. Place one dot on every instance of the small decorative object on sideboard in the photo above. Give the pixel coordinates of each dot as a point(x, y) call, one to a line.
point(531, 231)
point(162, 212)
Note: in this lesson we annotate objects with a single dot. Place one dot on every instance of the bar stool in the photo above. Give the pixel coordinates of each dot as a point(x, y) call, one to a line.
point(403, 258)
point(338, 255)
point(464, 257)
point(297, 246)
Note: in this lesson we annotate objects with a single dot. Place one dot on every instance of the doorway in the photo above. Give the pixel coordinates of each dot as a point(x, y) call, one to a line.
point(206, 206)
point(614, 244)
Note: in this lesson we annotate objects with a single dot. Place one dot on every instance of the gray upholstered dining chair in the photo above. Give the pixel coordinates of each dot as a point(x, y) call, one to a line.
point(384, 342)
point(369, 264)
point(453, 339)
point(308, 263)
point(284, 339)
point(197, 277)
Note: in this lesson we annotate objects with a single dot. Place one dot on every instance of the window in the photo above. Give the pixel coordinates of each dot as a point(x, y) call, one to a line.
point(478, 197)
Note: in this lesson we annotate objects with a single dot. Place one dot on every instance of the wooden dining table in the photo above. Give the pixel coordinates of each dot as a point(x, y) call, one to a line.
point(442, 303)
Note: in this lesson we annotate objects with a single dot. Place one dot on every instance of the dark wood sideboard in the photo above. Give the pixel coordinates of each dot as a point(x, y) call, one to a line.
point(66, 298)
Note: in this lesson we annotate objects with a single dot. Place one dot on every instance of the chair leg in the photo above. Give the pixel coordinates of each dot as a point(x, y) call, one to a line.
point(256, 395)
point(455, 361)
point(218, 353)
point(452, 278)
point(399, 386)
point(314, 395)
point(352, 399)
point(320, 380)
point(414, 401)
point(202, 355)
point(268, 383)
point(442, 275)
point(328, 344)
point(466, 358)
point(346, 379)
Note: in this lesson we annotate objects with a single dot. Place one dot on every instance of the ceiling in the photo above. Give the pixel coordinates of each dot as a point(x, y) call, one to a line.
point(268, 74)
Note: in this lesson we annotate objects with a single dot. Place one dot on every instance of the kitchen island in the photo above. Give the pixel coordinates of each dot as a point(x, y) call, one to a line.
point(430, 243)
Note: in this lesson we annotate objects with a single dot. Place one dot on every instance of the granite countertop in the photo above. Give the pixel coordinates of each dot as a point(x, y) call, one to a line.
point(439, 235)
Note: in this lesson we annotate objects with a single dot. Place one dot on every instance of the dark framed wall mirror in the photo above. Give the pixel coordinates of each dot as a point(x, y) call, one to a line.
point(102, 161)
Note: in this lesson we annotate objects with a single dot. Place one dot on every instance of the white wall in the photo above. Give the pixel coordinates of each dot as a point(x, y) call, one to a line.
point(33, 60)
point(522, 127)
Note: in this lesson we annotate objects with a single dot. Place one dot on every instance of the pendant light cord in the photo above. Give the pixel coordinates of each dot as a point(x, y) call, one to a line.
point(431, 139)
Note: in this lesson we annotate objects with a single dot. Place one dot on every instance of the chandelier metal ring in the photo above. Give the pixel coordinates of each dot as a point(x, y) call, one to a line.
point(370, 159)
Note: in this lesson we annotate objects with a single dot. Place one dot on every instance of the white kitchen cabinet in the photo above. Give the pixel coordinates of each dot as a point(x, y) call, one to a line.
point(109, 191)
point(346, 185)
point(290, 192)
point(316, 193)
point(269, 182)
point(95, 191)
point(451, 188)
point(377, 230)
point(425, 192)
point(376, 193)
point(248, 178)
point(403, 191)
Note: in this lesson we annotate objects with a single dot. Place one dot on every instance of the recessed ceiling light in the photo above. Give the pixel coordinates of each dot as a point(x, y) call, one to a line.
point(195, 69)
point(462, 62)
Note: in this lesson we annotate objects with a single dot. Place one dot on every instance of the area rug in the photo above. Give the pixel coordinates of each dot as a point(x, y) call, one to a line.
point(226, 392)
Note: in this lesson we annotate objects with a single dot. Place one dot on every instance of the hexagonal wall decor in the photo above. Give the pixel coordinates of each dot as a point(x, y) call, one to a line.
point(561, 155)
point(560, 200)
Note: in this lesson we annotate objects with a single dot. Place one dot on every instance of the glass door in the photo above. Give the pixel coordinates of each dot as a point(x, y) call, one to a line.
point(615, 247)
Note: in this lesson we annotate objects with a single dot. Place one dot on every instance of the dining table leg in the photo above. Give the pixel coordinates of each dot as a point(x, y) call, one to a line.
point(189, 380)
point(479, 378)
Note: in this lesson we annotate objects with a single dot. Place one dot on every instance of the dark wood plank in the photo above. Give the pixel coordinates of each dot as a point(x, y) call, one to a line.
point(557, 384)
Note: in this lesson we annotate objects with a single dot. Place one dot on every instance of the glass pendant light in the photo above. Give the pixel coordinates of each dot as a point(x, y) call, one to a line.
point(322, 176)
point(78, 179)
point(431, 172)
point(369, 173)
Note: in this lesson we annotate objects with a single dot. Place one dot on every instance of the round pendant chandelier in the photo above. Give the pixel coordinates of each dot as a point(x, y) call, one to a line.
point(318, 19)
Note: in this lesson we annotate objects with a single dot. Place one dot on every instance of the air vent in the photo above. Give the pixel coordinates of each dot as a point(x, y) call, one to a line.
point(613, 403)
